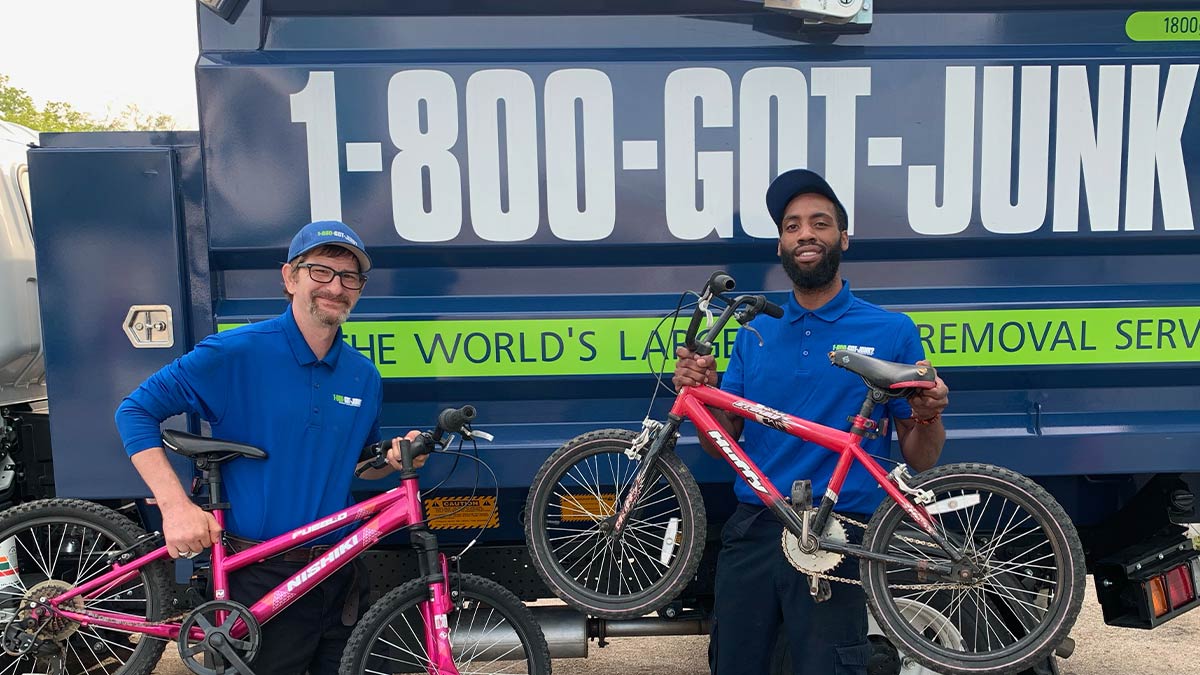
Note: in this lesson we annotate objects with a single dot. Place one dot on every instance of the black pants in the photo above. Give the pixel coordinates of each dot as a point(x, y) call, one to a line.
point(311, 633)
point(760, 596)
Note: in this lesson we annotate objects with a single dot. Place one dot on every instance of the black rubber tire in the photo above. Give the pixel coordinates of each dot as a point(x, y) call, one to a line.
point(1063, 565)
point(542, 513)
point(104, 524)
point(400, 606)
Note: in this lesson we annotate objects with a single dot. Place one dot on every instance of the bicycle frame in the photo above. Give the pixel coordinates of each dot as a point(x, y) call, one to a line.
point(693, 402)
point(388, 512)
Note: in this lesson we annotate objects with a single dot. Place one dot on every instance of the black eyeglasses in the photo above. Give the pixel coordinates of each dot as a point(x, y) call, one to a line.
point(351, 281)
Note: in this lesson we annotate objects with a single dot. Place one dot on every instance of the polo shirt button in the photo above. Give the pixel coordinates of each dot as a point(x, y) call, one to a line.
point(808, 332)
point(806, 352)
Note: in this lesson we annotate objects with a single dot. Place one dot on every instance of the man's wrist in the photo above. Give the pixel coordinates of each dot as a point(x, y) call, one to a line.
point(925, 421)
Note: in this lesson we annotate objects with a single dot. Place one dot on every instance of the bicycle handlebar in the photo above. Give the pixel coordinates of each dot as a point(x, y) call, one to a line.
point(452, 420)
point(717, 284)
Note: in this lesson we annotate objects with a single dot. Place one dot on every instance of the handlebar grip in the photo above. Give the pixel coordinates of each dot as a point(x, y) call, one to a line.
point(692, 344)
point(454, 420)
point(720, 282)
point(773, 310)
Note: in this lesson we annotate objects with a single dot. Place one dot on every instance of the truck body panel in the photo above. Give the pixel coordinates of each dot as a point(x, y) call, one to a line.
point(537, 184)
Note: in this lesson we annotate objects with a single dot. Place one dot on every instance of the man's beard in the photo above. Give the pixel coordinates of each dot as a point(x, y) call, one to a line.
point(812, 277)
point(325, 317)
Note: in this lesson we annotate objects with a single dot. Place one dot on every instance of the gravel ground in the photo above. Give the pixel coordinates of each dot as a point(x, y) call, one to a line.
point(1100, 650)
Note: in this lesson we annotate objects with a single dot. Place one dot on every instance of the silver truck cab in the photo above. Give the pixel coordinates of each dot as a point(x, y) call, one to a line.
point(22, 368)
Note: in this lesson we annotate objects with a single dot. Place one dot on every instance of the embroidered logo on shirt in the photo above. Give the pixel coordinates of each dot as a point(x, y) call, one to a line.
point(347, 400)
point(857, 349)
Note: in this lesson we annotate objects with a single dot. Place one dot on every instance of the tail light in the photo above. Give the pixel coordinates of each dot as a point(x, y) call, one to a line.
point(1146, 585)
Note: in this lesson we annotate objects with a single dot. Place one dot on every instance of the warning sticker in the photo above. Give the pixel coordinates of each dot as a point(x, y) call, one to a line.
point(462, 513)
point(582, 508)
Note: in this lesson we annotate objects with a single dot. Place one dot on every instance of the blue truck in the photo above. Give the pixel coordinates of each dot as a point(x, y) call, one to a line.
point(538, 182)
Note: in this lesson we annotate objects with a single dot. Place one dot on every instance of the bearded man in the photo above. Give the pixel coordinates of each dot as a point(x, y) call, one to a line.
point(759, 595)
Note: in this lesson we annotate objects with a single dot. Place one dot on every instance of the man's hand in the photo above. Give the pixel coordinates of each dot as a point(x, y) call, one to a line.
point(188, 528)
point(692, 370)
point(393, 455)
point(929, 403)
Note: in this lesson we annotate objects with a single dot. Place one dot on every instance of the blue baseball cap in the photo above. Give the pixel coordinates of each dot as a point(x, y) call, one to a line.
point(333, 232)
point(789, 184)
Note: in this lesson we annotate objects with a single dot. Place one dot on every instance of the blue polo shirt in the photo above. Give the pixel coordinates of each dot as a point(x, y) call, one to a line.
point(262, 385)
point(791, 372)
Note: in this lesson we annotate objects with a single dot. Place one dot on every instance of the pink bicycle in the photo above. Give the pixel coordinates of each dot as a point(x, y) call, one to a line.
point(83, 589)
point(969, 568)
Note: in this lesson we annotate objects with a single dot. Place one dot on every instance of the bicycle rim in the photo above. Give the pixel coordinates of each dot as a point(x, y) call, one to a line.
point(486, 635)
point(610, 575)
point(49, 555)
point(1024, 601)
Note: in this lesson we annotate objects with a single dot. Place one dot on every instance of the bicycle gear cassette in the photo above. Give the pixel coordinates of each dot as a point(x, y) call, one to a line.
point(819, 561)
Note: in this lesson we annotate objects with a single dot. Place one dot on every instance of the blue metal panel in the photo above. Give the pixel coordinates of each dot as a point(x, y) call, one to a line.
point(325, 120)
point(435, 136)
point(107, 239)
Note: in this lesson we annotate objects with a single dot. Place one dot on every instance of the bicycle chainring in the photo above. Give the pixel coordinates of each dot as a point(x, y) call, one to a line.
point(818, 561)
point(218, 652)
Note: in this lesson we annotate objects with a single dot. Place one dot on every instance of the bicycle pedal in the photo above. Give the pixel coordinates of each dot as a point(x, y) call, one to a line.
point(819, 589)
point(802, 494)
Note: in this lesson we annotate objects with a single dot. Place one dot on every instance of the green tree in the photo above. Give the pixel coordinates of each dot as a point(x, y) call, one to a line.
point(18, 106)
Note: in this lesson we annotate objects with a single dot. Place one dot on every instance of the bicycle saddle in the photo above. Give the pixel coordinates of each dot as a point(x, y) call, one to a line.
point(212, 449)
point(894, 379)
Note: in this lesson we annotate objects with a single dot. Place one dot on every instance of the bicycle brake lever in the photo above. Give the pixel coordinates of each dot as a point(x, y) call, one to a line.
point(478, 433)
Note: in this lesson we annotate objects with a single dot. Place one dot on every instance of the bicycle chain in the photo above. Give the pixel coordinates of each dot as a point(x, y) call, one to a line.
point(902, 587)
point(161, 623)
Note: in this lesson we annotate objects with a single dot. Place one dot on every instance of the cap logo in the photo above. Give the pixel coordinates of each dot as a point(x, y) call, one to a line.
point(337, 233)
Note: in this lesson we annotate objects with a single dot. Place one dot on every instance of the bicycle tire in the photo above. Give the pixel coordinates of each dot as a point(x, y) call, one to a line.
point(66, 541)
point(1027, 603)
point(390, 635)
point(553, 505)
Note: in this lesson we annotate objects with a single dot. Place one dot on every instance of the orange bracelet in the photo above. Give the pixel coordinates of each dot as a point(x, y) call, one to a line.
point(929, 421)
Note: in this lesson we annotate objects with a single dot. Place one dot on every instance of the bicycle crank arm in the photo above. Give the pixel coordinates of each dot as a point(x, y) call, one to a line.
point(923, 567)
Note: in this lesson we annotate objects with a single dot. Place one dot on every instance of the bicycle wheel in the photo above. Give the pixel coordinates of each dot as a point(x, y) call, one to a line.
point(51, 546)
point(491, 631)
point(1021, 606)
point(569, 521)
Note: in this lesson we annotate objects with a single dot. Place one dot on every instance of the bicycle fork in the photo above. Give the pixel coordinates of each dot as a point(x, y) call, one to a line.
point(645, 473)
point(435, 610)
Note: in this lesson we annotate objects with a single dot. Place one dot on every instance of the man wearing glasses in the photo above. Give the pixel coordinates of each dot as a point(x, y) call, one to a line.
point(290, 386)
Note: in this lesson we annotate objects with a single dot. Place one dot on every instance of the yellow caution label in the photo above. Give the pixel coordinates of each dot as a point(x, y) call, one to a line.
point(462, 513)
point(587, 507)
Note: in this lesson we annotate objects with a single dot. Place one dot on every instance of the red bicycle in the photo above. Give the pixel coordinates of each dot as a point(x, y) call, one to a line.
point(969, 568)
point(84, 590)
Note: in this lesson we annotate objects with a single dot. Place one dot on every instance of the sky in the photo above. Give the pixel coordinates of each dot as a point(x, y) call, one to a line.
point(100, 56)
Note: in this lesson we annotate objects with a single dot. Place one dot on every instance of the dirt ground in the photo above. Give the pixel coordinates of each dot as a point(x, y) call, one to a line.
point(1100, 650)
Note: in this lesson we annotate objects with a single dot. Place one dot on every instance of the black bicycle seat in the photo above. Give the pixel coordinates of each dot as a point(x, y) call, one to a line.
point(212, 449)
point(895, 379)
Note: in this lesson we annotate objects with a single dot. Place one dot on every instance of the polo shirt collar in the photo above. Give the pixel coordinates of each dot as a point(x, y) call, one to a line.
point(829, 312)
point(299, 346)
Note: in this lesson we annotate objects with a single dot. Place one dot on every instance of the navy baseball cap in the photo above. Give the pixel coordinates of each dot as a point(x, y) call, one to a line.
point(332, 232)
point(789, 184)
